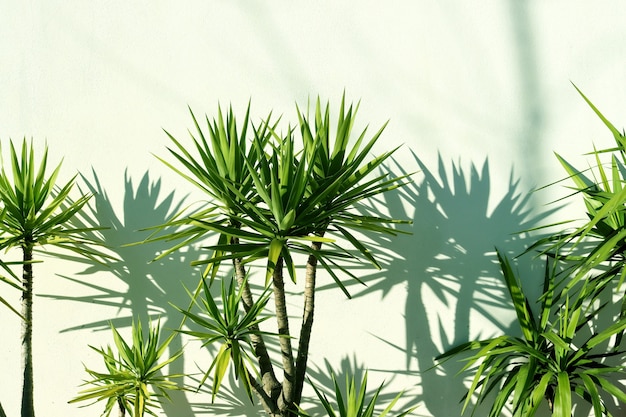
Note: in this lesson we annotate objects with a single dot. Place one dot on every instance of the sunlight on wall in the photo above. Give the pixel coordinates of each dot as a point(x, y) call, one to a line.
point(479, 97)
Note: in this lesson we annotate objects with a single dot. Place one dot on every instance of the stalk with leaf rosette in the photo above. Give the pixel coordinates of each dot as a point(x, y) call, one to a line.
point(35, 213)
point(219, 170)
point(273, 201)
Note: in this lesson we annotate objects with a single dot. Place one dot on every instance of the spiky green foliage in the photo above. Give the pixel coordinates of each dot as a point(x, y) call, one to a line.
point(595, 250)
point(271, 198)
point(230, 326)
point(599, 242)
point(273, 223)
point(353, 401)
point(312, 195)
point(219, 168)
point(134, 373)
point(275, 200)
point(561, 352)
point(35, 213)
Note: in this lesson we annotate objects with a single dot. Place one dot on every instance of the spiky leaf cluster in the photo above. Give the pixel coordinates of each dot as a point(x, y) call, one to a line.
point(134, 372)
point(272, 193)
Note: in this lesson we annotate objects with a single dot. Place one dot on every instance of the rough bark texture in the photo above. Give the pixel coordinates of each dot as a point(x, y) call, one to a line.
point(28, 409)
point(307, 322)
point(269, 385)
point(285, 400)
point(280, 399)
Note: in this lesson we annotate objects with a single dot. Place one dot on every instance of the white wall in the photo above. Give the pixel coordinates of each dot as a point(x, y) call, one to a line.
point(463, 82)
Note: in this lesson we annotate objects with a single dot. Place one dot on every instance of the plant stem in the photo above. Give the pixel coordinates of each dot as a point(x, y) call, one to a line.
point(268, 390)
point(138, 407)
point(270, 384)
point(28, 409)
point(307, 322)
point(268, 404)
point(285, 401)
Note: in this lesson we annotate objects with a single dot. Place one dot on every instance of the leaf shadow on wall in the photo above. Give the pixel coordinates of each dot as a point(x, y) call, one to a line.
point(146, 284)
point(149, 288)
point(448, 267)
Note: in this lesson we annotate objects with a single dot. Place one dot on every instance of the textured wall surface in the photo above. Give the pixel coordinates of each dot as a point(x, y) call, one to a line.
point(479, 95)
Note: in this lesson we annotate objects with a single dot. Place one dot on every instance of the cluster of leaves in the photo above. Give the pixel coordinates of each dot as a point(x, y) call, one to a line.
point(231, 326)
point(355, 403)
point(131, 371)
point(560, 352)
point(604, 196)
point(565, 348)
point(34, 213)
point(270, 198)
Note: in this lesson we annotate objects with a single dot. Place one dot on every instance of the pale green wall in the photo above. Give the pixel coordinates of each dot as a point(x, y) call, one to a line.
point(468, 82)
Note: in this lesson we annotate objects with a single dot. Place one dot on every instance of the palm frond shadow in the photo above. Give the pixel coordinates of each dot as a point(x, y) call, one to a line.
point(449, 267)
point(147, 288)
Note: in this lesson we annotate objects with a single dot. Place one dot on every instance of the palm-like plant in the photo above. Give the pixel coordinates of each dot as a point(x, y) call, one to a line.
point(560, 353)
point(604, 234)
point(220, 171)
point(131, 372)
point(272, 201)
point(598, 244)
point(36, 213)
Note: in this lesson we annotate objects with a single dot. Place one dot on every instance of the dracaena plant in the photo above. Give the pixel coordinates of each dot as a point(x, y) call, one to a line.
point(219, 169)
point(216, 165)
point(562, 351)
point(595, 250)
point(37, 213)
point(353, 400)
point(600, 242)
point(272, 198)
point(134, 373)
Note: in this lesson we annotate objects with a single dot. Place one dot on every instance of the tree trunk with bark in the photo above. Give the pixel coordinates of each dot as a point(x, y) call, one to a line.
point(28, 408)
point(280, 399)
point(307, 322)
